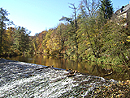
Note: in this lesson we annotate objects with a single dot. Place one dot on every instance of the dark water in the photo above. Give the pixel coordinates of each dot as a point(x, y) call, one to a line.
point(83, 67)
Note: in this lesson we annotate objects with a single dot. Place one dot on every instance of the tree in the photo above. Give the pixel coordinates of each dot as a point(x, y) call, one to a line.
point(106, 9)
point(21, 39)
point(62, 35)
point(90, 25)
point(72, 31)
point(115, 42)
point(8, 40)
point(3, 22)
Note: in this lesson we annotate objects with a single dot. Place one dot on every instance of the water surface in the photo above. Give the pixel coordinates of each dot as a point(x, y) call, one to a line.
point(83, 67)
point(25, 80)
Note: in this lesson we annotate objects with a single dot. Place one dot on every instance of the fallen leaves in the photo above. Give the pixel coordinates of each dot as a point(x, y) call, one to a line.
point(121, 89)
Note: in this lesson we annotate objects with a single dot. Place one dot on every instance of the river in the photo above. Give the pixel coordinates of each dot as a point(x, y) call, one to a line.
point(25, 80)
point(82, 67)
point(34, 80)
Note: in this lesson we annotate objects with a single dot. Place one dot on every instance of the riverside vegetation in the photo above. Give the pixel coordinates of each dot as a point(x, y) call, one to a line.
point(93, 33)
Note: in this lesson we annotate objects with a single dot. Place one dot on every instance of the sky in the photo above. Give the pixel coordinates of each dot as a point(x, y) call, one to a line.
point(40, 15)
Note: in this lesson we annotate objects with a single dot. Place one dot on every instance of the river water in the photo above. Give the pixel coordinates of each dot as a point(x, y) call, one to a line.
point(82, 67)
point(27, 80)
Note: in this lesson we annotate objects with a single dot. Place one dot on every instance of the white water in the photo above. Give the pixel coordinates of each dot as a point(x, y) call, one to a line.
point(22, 80)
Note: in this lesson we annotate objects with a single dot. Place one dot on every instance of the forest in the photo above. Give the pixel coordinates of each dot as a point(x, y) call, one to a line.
point(93, 33)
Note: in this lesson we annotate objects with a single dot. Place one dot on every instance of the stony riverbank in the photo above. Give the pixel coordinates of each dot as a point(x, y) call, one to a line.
point(19, 79)
point(121, 89)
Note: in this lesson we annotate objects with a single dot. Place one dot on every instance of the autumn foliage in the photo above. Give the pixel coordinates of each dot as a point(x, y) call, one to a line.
point(88, 35)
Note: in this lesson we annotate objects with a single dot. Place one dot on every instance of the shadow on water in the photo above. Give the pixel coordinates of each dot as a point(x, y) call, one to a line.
point(82, 67)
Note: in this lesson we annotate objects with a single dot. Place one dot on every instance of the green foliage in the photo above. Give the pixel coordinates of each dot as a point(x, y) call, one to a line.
point(91, 29)
point(106, 9)
point(72, 34)
point(21, 39)
point(114, 42)
point(93, 34)
point(3, 22)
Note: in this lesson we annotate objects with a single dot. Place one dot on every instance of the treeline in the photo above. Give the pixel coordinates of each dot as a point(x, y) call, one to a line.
point(13, 40)
point(93, 33)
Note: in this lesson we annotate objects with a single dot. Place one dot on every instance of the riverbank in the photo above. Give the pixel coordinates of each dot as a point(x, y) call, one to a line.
point(19, 79)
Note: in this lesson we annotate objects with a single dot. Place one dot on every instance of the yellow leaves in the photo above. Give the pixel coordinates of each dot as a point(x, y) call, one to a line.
point(128, 40)
point(83, 34)
point(87, 43)
point(49, 44)
point(53, 44)
point(128, 37)
point(128, 82)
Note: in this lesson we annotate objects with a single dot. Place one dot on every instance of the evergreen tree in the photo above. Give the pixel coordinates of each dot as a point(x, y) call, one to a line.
point(106, 9)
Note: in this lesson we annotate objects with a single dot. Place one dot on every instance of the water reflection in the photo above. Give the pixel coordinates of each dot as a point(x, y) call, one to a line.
point(83, 67)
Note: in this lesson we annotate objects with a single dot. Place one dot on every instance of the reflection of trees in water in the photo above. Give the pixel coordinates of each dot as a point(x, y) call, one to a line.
point(63, 63)
point(84, 67)
point(111, 73)
point(102, 71)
